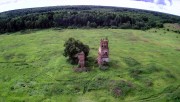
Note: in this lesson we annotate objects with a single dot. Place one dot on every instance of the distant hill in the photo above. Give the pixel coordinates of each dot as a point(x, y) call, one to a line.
point(82, 17)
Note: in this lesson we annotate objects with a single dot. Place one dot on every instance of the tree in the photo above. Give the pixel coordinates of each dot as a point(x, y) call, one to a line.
point(72, 47)
point(66, 17)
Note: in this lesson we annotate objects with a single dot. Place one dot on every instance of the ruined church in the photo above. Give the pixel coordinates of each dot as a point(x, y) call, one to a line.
point(102, 59)
point(103, 52)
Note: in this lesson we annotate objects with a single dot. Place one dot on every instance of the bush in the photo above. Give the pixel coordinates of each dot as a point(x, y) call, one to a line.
point(58, 28)
point(72, 47)
point(72, 27)
point(159, 25)
point(126, 25)
point(114, 27)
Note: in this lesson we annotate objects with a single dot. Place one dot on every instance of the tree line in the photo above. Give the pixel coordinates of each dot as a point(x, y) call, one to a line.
point(83, 17)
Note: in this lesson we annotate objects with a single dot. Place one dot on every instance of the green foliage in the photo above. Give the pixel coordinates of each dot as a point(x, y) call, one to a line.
point(126, 25)
point(82, 17)
point(72, 47)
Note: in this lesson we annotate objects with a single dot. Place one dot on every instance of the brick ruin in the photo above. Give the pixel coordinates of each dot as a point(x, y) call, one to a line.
point(103, 52)
point(81, 58)
point(102, 60)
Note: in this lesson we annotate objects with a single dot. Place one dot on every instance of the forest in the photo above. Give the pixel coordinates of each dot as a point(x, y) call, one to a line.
point(83, 17)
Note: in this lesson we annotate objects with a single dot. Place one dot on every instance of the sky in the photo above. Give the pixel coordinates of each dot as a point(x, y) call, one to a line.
point(166, 6)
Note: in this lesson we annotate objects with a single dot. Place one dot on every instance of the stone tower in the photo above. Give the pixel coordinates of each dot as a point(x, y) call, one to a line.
point(103, 53)
point(81, 62)
point(81, 58)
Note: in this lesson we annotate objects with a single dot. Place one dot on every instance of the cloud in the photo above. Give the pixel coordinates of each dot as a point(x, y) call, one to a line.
point(159, 2)
point(9, 2)
point(146, 0)
point(5, 2)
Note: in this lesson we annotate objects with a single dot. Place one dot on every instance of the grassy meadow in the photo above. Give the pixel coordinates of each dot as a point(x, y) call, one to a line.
point(144, 65)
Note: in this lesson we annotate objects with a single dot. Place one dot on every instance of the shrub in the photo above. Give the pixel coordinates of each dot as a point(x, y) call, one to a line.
point(72, 27)
point(126, 25)
point(58, 28)
point(159, 25)
point(72, 47)
point(114, 27)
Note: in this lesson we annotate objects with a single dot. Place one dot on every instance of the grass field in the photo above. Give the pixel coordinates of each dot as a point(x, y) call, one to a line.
point(145, 66)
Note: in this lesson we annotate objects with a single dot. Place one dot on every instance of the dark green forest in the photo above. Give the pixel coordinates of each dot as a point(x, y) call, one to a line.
point(83, 17)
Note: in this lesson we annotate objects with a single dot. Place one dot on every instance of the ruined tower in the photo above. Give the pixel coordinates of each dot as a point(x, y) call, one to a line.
point(81, 58)
point(81, 62)
point(103, 52)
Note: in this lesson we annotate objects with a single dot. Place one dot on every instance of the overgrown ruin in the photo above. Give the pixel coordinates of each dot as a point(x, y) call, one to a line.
point(81, 58)
point(81, 62)
point(103, 53)
point(102, 59)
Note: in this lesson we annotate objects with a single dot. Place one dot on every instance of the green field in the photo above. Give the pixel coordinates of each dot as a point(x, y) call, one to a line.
point(33, 68)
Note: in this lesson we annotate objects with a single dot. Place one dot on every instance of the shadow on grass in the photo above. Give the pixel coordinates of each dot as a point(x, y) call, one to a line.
point(131, 61)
